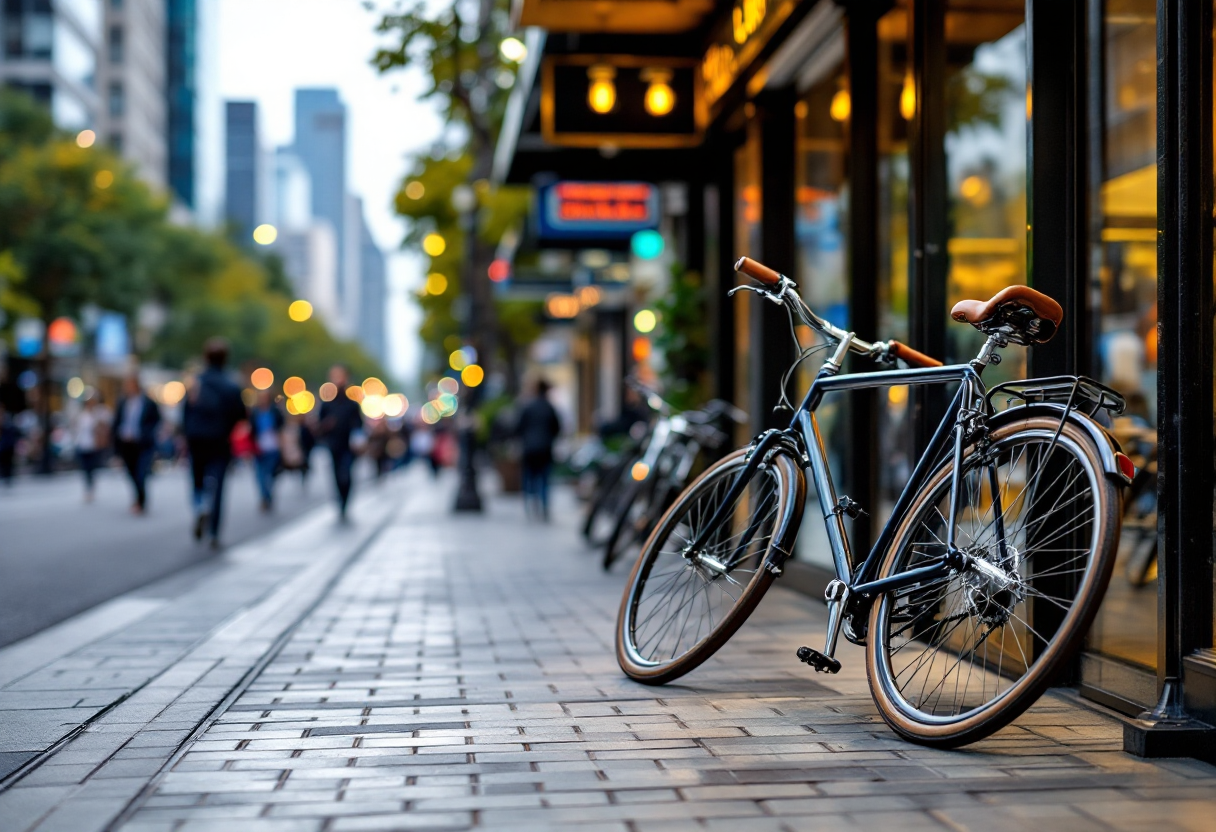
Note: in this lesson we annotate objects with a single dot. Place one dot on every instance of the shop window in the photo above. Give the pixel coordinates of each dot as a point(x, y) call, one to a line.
point(1124, 202)
point(747, 242)
point(985, 143)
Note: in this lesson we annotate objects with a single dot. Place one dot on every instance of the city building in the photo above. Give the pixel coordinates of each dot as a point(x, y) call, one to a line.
point(132, 83)
point(181, 86)
point(52, 51)
point(895, 157)
point(373, 295)
point(243, 170)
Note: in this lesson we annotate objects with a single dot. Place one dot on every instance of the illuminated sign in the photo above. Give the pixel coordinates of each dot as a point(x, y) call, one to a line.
point(596, 210)
point(736, 41)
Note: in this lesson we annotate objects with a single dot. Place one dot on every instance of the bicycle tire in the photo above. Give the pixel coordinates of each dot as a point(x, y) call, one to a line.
point(1087, 504)
point(780, 481)
point(606, 497)
point(628, 525)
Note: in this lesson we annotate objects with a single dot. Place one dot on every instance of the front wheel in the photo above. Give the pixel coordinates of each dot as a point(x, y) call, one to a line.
point(954, 659)
point(680, 606)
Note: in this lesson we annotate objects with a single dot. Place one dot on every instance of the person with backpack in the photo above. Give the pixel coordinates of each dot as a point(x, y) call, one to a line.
point(212, 409)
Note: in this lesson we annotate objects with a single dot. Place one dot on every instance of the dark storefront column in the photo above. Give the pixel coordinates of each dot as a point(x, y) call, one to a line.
point(720, 273)
point(772, 350)
point(1184, 374)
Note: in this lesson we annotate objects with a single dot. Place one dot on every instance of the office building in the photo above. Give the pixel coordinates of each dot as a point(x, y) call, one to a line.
point(52, 51)
point(320, 143)
point(242, 177)
point(132, 84)
point(182, 90)
point(372, 295)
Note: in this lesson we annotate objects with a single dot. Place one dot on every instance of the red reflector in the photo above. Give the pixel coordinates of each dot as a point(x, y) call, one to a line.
point(1126, 467)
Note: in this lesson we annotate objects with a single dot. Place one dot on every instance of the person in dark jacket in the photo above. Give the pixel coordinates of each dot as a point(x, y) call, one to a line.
point(338, 421)
point(537, 428)
point(135, 422)
point(212, 409)
point(266, 422)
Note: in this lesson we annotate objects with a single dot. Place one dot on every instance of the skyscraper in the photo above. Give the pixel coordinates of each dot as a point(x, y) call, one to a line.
point(372, 300)
point(320, 142)
point(181, 88)
point(51, 52)
point(242, 180)
point(131, 78)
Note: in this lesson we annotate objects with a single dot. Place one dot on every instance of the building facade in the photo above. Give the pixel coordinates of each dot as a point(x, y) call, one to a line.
point(52, 51)
point(133, 85)
point(896, 157)
point(243, 174)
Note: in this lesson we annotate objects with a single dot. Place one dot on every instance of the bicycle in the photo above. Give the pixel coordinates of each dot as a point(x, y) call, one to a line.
point(984, 578)
point(674, 451)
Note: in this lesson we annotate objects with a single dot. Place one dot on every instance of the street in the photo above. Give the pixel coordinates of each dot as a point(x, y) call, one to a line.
point(436, 672)
point(60, 555)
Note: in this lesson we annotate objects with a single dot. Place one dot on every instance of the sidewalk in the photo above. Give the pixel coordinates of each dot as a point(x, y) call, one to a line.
point(459, 673)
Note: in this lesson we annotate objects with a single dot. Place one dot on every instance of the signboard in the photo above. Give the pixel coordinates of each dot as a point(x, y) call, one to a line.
point(596, 210)
point(597, 100)
point(736, 41)
point(113, 344)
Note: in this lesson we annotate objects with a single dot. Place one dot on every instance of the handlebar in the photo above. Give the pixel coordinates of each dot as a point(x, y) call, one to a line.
point(778, 292)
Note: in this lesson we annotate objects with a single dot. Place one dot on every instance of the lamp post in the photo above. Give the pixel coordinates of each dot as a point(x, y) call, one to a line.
point(464, 200)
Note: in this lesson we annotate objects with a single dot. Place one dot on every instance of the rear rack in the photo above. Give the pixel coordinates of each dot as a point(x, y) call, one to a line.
point(1075, 392)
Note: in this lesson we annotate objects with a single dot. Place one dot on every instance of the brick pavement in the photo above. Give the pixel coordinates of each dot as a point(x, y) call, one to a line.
point(461, 675)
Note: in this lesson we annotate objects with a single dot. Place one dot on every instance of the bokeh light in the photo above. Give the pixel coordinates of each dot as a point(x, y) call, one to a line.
point(86, 138)
point(173, 392)
point(458, 360)
point(62, 331)
point(472, 375)
point(561, 306)
point(430, 413)
point(328, 391)
point(395, 405)
point(513, 50)
point(293, 386)
point(372, 406)
point(261, 378)
point(434, 244)
point(641, 348)
point(291, 408)
point(415, 190)
point(436, 284)
point(499, 270)
point(299, 310)
point(373, 386)
point(645, 320)
point(75, 387)
point(647, 245)
point(303, 401)
point(265, 234)
point(104, 179)
point(446, 404)
point(354, 393)
point(448, 386)
point(639, 471)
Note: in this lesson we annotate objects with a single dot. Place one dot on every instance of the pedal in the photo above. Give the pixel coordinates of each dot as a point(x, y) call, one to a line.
point(817, 660)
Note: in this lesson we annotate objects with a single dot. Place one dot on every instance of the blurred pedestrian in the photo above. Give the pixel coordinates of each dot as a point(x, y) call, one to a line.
point(91, 437)
point(10, 435)
point(266, 422)
point(422, 446)
point(213, 407)
point(340, 426)
point(537, 429)
point(135, 421)
point(377, 446)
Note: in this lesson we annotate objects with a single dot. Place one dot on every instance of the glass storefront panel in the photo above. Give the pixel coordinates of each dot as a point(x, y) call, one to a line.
point(747, 242)
point(985, 145)
point(1125, 256)
point(821, 208)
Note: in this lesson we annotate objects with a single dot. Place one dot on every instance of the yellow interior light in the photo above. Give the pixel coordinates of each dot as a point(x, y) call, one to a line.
point(660, 98)
point(841, 106)
point(601, 95)
point(907, 98)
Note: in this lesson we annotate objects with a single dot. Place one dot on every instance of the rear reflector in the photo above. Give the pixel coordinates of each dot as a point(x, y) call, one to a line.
point(1126, 467)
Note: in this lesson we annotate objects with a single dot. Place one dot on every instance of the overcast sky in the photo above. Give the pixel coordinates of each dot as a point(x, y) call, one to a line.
point(268, 48)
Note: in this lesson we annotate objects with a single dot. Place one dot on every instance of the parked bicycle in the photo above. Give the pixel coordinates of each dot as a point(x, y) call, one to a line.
point(983, 580)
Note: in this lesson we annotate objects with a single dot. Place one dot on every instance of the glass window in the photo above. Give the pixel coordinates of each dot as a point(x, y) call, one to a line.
point(747, 242)
point(822, 117)
point(74, 58)
point(117, 99)
point(1125, 250)
point(116, 44)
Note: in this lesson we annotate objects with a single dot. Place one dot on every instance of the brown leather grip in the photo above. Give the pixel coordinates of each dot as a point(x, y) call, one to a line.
point(757, 271)
point(911, 356)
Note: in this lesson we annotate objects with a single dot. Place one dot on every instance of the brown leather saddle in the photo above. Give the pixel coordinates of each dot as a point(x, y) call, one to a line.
point(1024, 315)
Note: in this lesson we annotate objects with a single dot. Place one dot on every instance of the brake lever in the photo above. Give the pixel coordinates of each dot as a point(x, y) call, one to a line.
point(777, 299)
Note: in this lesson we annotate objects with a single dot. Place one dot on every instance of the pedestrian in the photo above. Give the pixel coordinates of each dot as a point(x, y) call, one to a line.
point(266, 422)
point(213, 407)
point(340, 426)
point(10, 435)
point(422, 446)
point(537, 429)
point(91, 437)
point(135, 421)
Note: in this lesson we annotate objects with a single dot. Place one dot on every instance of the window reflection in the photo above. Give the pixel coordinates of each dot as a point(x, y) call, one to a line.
point(1125, 250)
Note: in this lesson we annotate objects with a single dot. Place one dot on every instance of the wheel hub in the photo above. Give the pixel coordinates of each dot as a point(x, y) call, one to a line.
point(993, 583)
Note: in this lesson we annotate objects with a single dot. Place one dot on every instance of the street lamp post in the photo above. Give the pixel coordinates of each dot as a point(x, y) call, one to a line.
point(464, 200)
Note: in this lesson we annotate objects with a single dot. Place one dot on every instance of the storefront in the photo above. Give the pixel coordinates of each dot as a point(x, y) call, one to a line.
point(896, 157)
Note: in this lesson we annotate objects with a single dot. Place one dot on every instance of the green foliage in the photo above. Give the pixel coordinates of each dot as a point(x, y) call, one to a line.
point(682, 335)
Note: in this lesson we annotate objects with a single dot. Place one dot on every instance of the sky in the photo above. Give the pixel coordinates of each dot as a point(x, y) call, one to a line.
point(268, 48)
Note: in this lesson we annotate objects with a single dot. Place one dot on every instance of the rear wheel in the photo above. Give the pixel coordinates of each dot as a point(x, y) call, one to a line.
point(680, 606)
point(954, 659)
